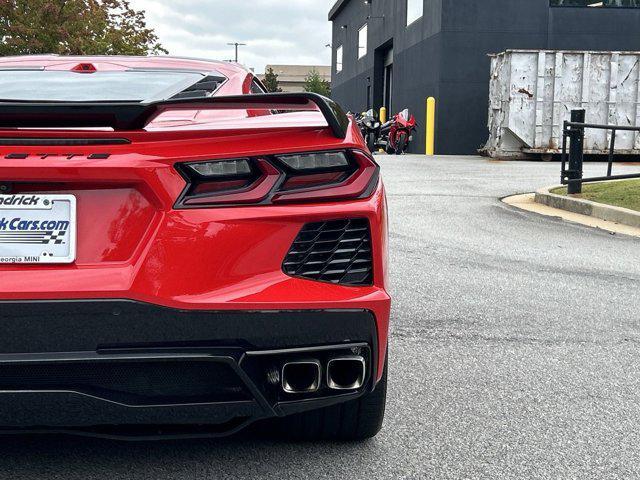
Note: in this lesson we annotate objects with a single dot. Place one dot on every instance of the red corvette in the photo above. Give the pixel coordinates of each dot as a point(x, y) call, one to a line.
point(182, 254)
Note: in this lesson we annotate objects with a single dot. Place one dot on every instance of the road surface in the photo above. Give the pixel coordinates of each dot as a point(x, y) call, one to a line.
point(514, 352)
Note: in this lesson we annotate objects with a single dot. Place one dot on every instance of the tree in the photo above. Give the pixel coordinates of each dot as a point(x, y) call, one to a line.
point(271, 81)
point(316, 84)
point(75, 27)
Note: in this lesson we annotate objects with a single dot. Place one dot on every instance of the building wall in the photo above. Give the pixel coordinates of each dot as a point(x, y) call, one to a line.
point(416, 53)
point(445, 54)
point(595, 29)
point(472, 30)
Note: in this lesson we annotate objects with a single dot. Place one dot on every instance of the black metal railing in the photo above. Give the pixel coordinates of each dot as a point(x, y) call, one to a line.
point(573, 138)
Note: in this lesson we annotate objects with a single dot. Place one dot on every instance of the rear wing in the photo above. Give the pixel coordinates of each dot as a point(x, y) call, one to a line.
point(123, 116)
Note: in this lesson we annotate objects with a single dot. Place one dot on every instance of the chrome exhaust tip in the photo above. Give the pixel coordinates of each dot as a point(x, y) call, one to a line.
point(301, 376)
point(346, 373)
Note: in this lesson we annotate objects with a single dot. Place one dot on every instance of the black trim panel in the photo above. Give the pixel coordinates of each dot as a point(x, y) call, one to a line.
point(94, 325)
point(49, 333)
point(56, 142)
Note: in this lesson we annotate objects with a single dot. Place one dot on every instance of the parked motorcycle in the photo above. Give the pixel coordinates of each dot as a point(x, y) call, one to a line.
point(370, 128)
point(398, 132)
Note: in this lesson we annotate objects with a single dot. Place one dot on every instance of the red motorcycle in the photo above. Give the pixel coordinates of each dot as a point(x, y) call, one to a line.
point(398, 132)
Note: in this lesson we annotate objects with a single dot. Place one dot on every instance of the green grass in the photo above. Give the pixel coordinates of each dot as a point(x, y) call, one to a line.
point(621, 194)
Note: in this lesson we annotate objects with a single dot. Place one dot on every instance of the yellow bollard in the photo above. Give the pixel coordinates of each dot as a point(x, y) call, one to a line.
point(431, 126)
point(383, 119)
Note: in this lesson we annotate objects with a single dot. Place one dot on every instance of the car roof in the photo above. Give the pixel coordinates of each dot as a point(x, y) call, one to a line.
point(235, 73)
point(156, 62)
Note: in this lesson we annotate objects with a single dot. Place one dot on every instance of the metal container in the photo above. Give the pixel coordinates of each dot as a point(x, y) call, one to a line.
point(532, 93)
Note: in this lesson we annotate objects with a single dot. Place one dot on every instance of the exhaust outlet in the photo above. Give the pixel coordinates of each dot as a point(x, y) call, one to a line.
point(301, 377)
point(346, 373)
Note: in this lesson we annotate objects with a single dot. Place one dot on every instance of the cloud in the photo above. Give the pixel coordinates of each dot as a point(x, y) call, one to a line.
point(275, 31)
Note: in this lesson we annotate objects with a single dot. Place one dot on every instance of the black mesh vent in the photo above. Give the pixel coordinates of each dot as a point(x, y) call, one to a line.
point(148, 382)
point(338, 251)
point(204, 88)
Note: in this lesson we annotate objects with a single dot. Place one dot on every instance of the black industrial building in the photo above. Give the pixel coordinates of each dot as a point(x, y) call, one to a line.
point(396, 53)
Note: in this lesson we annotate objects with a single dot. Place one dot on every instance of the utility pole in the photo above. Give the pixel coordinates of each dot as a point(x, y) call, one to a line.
point(236, 44)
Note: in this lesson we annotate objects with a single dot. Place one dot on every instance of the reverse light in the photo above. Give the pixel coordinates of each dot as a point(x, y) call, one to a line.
point(292, 178)
point(315, 161)
point(233, 168)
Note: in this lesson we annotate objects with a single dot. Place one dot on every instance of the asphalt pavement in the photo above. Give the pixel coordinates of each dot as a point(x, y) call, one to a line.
point(515, 351)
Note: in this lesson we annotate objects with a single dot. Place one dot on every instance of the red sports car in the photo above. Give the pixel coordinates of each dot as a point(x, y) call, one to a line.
point(182, 254)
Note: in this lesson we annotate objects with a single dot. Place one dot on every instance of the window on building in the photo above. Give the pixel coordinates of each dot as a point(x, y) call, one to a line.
point(339, 59)
point(362, 41)
point(596, 3)
point(415, 10)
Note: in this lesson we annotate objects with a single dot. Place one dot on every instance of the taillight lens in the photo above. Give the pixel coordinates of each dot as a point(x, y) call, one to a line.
point(227, 168)
point(312, 180)
point(313, 162)
point(316, 176)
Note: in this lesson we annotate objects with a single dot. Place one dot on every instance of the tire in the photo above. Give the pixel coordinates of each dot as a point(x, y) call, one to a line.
point(401, 144)
point(356, 420)
point(371, 142)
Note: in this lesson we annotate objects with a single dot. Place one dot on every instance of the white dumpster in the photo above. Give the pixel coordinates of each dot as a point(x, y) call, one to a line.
point(532, 93)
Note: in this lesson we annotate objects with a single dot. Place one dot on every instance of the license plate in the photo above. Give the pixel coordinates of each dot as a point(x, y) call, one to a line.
point(37, 228)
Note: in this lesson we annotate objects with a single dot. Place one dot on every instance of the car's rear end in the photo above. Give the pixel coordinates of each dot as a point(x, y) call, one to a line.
point(174, 267)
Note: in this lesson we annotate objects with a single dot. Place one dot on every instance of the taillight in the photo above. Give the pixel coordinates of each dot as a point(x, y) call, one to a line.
point(228, 182)
point(358, 175)
point(302, 177)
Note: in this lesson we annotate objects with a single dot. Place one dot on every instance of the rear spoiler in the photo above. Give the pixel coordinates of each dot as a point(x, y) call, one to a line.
point(123, 116)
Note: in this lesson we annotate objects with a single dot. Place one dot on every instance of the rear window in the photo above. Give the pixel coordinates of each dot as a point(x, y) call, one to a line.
point(65, 86)
point(256, 88)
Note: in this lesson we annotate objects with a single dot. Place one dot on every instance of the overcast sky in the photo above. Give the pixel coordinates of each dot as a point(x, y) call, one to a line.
point(275, 31)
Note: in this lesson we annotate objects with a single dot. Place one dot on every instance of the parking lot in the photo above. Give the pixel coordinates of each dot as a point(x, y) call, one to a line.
point(514, 351)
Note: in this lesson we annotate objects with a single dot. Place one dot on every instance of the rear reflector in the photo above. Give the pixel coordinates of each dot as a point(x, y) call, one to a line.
point(317, 176)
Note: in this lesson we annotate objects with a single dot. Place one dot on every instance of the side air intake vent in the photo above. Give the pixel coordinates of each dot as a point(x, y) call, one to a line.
point(337, 251)
point(204, 88)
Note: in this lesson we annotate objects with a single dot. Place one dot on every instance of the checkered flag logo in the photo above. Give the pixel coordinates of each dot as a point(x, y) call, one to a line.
point(53, 238)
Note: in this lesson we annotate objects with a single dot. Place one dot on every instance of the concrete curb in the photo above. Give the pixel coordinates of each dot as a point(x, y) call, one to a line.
point(609, 213)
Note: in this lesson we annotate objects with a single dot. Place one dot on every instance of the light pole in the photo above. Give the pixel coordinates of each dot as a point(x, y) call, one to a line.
point(236, 44)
